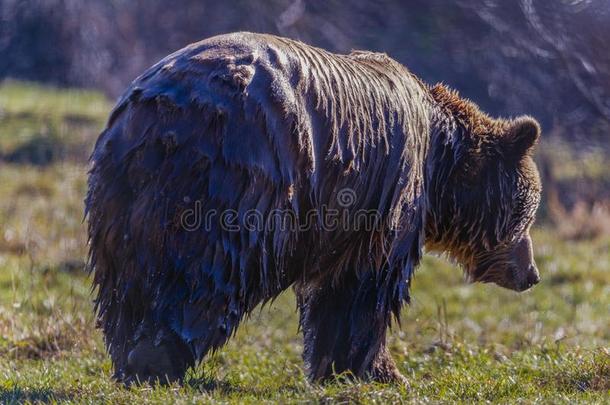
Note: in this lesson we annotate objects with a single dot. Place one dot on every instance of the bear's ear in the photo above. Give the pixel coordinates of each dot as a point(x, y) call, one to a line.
point(522, 136)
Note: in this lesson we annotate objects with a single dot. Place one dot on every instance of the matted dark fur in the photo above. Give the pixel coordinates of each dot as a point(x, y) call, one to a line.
point(249, 121)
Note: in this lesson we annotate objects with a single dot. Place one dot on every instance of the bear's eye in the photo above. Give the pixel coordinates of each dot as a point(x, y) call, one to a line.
point(525, 206)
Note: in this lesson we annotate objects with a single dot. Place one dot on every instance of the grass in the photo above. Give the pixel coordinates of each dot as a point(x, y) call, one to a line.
point(457, 342)
point(42, 124)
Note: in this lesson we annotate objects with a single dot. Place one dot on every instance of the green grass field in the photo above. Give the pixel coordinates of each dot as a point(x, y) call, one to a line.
point(457, 342)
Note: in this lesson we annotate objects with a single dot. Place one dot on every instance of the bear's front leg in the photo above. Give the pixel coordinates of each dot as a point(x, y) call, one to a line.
point(384, 369)
point(344, 328)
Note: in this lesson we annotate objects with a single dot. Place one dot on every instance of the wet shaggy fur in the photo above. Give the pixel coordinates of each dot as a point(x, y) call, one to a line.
point(246, 122)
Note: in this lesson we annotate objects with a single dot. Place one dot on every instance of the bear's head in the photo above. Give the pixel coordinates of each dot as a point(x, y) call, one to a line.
point(483, 192)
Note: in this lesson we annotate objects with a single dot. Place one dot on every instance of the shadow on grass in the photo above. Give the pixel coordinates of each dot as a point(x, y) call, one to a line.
point(18, 396)
point(226, 388)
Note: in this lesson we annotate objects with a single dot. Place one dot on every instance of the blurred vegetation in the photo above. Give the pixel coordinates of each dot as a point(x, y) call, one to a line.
point(544, 58)
point(39, 125)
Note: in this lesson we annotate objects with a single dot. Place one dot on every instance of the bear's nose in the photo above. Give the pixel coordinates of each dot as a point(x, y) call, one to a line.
point(533, 277)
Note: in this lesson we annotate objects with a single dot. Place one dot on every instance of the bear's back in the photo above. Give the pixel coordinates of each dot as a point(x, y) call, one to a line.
point(282, 100)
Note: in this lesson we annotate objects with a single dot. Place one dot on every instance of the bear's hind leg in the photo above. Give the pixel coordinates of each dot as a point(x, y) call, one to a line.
point(344, 330)
point(182, 335)
point(186, 330)
point(163, 362)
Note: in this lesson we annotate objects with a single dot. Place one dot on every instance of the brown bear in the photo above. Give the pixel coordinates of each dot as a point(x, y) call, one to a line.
point(238, 128)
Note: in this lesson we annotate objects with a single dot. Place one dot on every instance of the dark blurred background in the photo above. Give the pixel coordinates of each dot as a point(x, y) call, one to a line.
point(549, 59)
